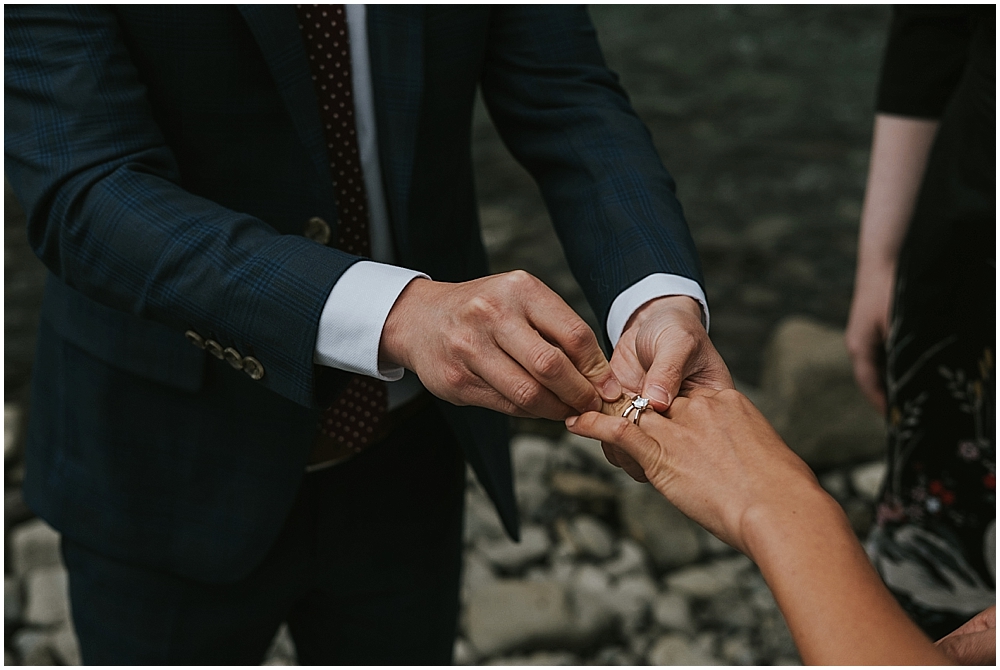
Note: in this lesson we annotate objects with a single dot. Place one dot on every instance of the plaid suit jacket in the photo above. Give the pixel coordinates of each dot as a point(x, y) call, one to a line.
point(168, 158)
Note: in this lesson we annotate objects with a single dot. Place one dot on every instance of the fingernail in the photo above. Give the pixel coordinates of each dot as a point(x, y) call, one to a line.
point(570, 421)
point(657, 394)
point(596, 406)
point(612, 389)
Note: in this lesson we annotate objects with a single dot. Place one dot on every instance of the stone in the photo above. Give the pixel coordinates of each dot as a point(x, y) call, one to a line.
point(481, 518)
point(66, 645)
point(728, 610)
point(530, 455)
point(836, 484)
point(675, 649)
point(631, 560)
point(591, 537)
point(15, 511)
point(581, 486)
point(464, 653)
point(12, 604)
point(737, 650)
point(548, 658)
point(776, 639)
point(591, 578)
point(476, 571)
point(713, 546)
point(670, 538)
point(531, 496)
point(861, 516)
point(673, 612)
point(34, 647)
point(46, 596)
point(588, 451)
point(614, 656)
point(34, 544)
point(630, 600)
point(809, 395)
point(867, 479)
point(706, 581)
point(511, 556)
point(510, 616)
point(11, 430)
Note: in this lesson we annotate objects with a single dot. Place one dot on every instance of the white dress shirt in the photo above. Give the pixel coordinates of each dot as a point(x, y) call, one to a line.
point(350, 326)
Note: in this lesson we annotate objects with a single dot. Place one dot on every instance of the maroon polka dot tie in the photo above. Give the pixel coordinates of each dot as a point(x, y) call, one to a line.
point(351, 423)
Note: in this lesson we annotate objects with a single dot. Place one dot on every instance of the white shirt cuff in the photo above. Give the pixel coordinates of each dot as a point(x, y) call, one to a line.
point(350, 326)
point(654, 286)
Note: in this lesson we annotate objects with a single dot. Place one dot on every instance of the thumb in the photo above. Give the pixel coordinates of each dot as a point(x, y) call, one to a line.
point(664, 375)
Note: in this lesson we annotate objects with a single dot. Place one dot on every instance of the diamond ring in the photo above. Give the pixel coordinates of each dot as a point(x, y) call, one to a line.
point(637, 405)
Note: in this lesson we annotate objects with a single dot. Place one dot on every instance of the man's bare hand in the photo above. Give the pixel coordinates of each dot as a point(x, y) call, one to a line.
point(506, 342)
point(665, 352)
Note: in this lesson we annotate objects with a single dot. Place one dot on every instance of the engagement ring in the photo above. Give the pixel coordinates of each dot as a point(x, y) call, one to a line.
point(638, 404)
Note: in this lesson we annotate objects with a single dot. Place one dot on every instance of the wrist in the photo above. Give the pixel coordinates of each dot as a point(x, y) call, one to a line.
point(682, 304)
point(773, 528)
point(392, 349)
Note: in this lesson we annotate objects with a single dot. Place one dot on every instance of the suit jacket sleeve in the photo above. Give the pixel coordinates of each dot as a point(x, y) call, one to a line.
point(108, 215)
point(563, 115)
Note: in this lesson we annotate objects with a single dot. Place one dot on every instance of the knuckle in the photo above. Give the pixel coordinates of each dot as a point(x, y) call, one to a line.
point(546, 360)
point(579, 336)
point(455, 376)
point(525, 393)
point(621, 430)
point(480, 308)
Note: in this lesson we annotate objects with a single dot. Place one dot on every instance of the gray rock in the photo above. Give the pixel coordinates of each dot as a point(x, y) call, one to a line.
point(66, 645)
point(706, 581)
point(867, 479)
point(34, 544)
point(631, 600)
point(47, 596)
point(11, 430)
point(631, 560)
point(514, 556)
point(614, 656)
point(809, 394)
point(582, 486)
point(728, 610)
point(591, 537)
point(476, 571)
point(674, 649)
point(673, 612)
point(861, 515)
point(530, 455)
point(11, 600)
point(712, 545)
point(589, 451)
point(548, 658)
point(531, 496)
point(737, 650)
point(591, 578)
point(34, 647)
point(464, 653)
point(835, 483)
point(786, 660)
point(481, 519)
point(511, 616)
point(670, 538)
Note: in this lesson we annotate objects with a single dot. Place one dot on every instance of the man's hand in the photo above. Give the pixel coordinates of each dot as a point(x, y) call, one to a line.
point(868, 328)
point(974, 642)
point(664, 352)
point(506, 342)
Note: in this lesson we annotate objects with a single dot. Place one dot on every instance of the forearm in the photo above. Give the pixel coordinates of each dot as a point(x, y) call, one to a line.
point(836, 606)
point(900, 147)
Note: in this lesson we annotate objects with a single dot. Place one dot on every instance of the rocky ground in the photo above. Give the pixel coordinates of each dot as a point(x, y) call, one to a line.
point(763, 115)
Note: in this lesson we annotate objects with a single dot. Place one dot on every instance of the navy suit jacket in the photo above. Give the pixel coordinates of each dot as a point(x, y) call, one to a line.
point(168, 158)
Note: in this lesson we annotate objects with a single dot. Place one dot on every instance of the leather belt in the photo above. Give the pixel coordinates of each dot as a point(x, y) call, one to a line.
point(325, 454)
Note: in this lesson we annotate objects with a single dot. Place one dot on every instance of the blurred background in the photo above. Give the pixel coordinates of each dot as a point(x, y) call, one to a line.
point(763, 115)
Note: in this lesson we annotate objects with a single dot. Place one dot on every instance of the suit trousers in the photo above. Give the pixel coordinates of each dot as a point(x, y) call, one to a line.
point(365, 571)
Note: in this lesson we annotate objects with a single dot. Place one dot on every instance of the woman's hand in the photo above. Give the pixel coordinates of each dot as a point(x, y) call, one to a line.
point(714, 456)
point(975, 642)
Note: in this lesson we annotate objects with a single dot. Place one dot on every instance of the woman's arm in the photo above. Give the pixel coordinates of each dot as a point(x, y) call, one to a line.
point(900, 147)
point(719, 461)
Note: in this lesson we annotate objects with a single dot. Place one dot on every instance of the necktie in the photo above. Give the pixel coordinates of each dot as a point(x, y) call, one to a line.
point(351, 423)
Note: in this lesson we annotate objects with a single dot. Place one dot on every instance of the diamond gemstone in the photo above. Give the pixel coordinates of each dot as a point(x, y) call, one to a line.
point(640, 403)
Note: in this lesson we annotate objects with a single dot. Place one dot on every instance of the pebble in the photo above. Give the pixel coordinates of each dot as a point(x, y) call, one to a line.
point(673, 612)
point(47, 596)
point(66, 646)
point(737, 650)
point(836, 484)
point(867, 479)
point(34, 544)
point(11, 600)
point(631, 560)
point(591, 537)
point(674, 649)
point(464, 653)
point(670, 538)
point(581, 485)
point(530, 455)
point(511, 556)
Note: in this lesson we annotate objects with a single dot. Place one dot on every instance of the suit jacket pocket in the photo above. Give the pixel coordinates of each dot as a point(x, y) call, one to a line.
point(144, 348)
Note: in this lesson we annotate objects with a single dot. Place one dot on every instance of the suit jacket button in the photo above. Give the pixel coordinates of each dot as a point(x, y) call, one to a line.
point(233, 357)
point(195, 339)
point(252, 367)
point(214, 348)
point(317, 230)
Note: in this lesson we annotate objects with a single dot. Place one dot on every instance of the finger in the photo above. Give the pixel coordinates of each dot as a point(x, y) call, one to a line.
point(611, 454)
point(869, 379)
point(475, 391)
point(627, 463)
point(625, 364)
point(668, 368)
point(619, 432)
point(548, 365)
point(563, 327)
point(506, 376)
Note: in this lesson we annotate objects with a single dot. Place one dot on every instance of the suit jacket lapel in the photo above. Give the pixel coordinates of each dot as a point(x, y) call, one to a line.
point(396, 49)
point(276, 29)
